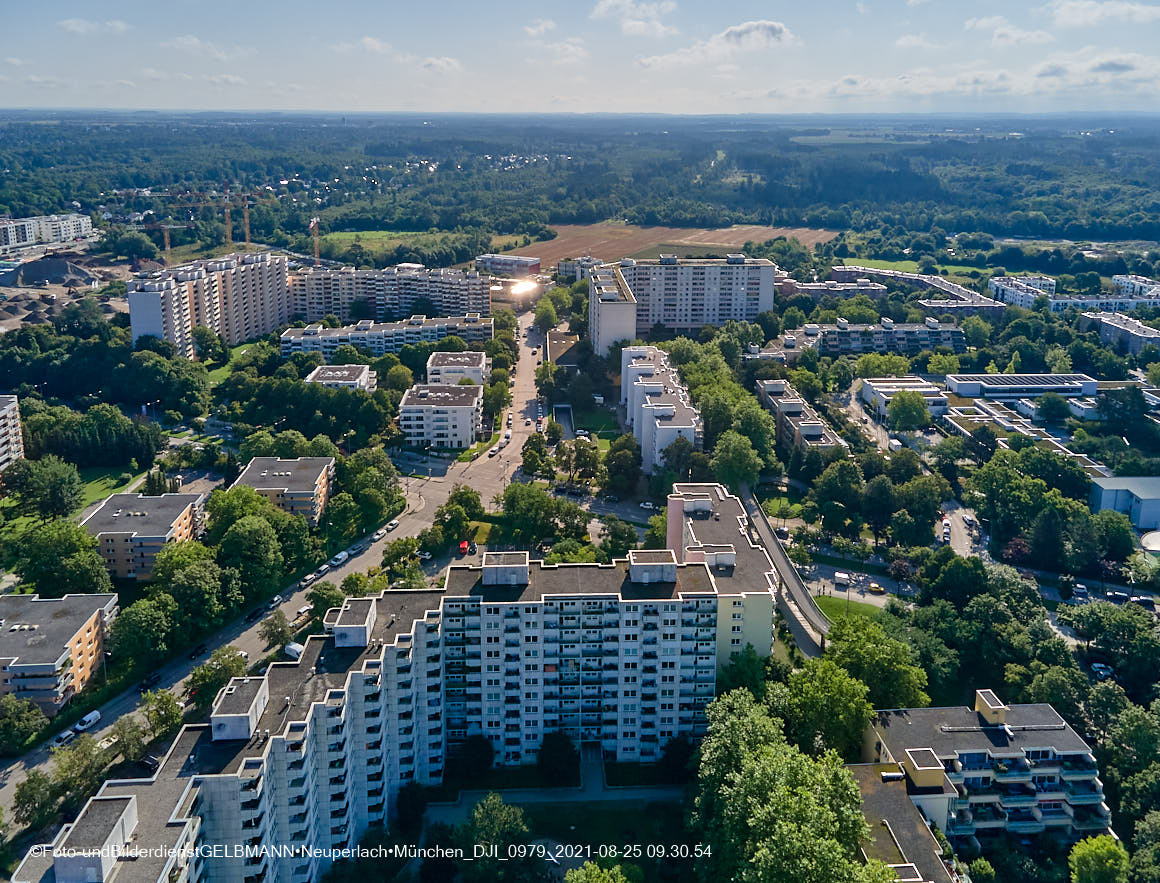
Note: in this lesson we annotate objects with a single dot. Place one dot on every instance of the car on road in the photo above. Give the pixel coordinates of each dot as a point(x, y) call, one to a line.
point(62, 739)
point(198, 651)
point(472, 548)
point(782, 533)
point(150, 681)
point(321, 570)
point(611, 498)
point(392, 524)
point(463, 547)
point(254, 615)
point(1118, 597)
point(379, 534)
point(306, 580)
point(876, 589)
point(338, 559)
point(492, 452)
point(424, 556)
point(302, 611)
point(357, 549)
point(1102, 672)
point(1079, 595)
point(275, 602)
point(581, 433)
point(1145, 601)
point(527, 421)
point(648, 504)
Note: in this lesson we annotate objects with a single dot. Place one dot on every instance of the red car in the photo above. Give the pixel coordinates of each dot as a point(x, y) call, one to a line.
point(463, 547)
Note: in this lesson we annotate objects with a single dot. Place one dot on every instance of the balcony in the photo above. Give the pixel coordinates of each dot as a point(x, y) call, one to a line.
point(1018, 796)
point(1088, 818)
point(1083, 792)
point(1011, 771)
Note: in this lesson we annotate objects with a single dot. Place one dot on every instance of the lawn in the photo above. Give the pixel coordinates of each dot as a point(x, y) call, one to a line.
point(101, 481)
point(835, 606)
point(499, 779)
point(381, 244)
point(478, 448)
point(217, 375)
point(619, 775)
point(600, 420)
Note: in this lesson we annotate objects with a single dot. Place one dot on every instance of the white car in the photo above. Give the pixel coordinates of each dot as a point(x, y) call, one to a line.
point(338, 559)
point(648, 504)
point(275, 602)
point(392, 524)
point(425, 556)
point(527, 421)
point(321, 570)
point(62, 739)
point(379, 534)
point(88, 721)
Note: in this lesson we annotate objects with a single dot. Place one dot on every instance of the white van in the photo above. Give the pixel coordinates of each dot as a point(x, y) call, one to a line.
point(293, 650)
point(303, 611)
point(841, 578)
point(88, 721)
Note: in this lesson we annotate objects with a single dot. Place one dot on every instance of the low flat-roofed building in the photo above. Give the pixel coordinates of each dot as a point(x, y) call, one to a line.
point(301, 486)
point(132, 528)
point(1118, 331)
point(450, 368)
point(1018, 768)
point(798, 425)
point(344, 377)
point(656, 402)
point(1138, 497)
point(878, 392)
point(578, 268)
point(887, 336)
point(834, 288)
point(380, 338)
point(900, 835)
point(442, 415)
point(51, 647)
point(560, 348)
point(1017, 386)
point(509, 264)
point(11, 435)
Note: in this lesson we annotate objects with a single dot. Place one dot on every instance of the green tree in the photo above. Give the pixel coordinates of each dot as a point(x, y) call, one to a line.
point(275, 630)
point(209, 345)
point(61, 558)
point(251, 547)
point(908, 411)
point(744, 669)
point(20, 720)
point(398, 378)
point(343, 519)
point(590, 872)
point(496, 824)
point(78, 769)
point(207, 679)
point(130, 736)
point(656, 534)
point(885, 665)
point(1101, 859)
point(146, 630)
point(616, 537)
point(47, 488)
point(35, 799)
point(878, 505)
point(546, 318)
point(162, 712)
point(469, 499)
point(622, 464)
point(822, 705)
point(943, 363)
point(977, 331)
point(558, 759)
point(323, 596)
point(981, 871)
point(735, 462)
point(1052, 408)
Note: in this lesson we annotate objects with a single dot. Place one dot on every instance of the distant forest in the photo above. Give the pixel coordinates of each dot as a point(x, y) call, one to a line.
point(1079, 179)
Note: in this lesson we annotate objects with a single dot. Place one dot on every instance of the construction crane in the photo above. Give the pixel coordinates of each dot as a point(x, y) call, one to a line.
point(314, 222)
point(164, 228)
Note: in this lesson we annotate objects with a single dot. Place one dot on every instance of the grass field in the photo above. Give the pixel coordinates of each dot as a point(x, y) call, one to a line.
point(380, 242)
point(834, 606)
point(220, 373)
point(611, 241)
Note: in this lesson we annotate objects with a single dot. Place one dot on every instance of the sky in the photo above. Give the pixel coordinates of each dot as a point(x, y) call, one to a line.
point(627, 56)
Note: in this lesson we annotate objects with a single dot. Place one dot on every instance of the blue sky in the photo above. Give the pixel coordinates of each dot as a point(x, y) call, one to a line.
point(673, 56)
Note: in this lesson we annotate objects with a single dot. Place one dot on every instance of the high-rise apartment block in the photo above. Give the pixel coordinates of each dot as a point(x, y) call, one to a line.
point(17, 233)
point(131, 529)
point(380, 338)
point(657, 404)
point(11, 437)
point(391, 292)
point(301, 486)
point(307, 756)
point(684, 295)
point(442, 415)
point(51, 647)
point(239, 296)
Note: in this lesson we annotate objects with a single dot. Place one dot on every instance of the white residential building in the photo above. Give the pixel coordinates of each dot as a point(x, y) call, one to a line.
point(687, 294)
point(611, 309)
point(1017, 386)
point(17, 233)
point(656, 403)
point(239, 296)
point(959, 300)
point(314, 751)
point(508, 264)
point(1118, 330)
point(450, 368)
point(878, 392)
point(1129, 293)
point(11, 437)
point(1136, 286)
point(578, 268)
point(442, 416)
point(380, 338)
point(798, 425)
point(391, 292)
point(1021, 291)
point(344, 377)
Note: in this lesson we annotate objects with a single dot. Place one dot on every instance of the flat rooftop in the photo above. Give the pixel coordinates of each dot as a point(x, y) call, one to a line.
point(999, 380)
point(1146, 487)
point(92, 827)
point(899, 835)
point(237, 696)
point(55, 621)
point(724, 526)
point(138, 514)
point(354, 611)
point(338, 374)
point(7, 401)
point(561, 348)
point(274, 473)
point(948, 731)
point(440, 395)
point(368, 327)
point(455, 360)
point(607, 285)
point(546, 580)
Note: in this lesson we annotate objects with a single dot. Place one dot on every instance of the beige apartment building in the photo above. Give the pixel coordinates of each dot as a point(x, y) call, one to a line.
point(132, 528)
point(301, 486)
point(389, 292)
point(441, 416)
point(344, 377)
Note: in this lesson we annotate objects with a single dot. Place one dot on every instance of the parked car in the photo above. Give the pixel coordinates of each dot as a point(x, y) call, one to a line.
point(463, 547)
point(245, 656)
point(306, 580)
point(321, 570)
point(150, 681)
point(1118, 597)
point(1102, 672)
point(303, 611)
point(392, 524)
point(198, 651)
point(876, 589)
point(493, 452)
point(472, 548)
point(275, 602)
point(293, 650)
point(379, 534)
point(424, 556)
point(527, 421)
point(782, 533)
point(338, 559)
point(648, 504)
point(62, 739)
point(611, 498)
point(1145, 601)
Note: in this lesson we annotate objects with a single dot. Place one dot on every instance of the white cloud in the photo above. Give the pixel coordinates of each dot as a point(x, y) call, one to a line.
point(637, 19)
point(916, 2)
point(225, 80)
point(441, 64)
point(916, 41)
point(192, 45)
point(569, 51)
point(748, 36)
point(1004, 34)
point(862, 8)
point(1089, 13)
point(15, 62)
point(539, 27)
point(364, 44)
point(84, 26)
point(152, 73)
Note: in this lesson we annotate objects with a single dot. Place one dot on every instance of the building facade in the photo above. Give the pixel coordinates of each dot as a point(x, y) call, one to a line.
point(507, 264)
point(16, 233)
point(958, 301)
point(887, 336)
point(380, 338)
point(131, 529)
point(314, 751)
point(301, 486)
point(11, 435)
point(344, 377)
point(611, 309)
point(877, 392)
point(798, 425)
point(656, 403)
point(995, 768)
point(450, 368)
point(441, 415)
point(390, 292)
point(1128, 293)
point(1118, 331)
point(239, 296)
point(1017, 386)
point(578, 268)
point(51, 647)
point(1138, 497)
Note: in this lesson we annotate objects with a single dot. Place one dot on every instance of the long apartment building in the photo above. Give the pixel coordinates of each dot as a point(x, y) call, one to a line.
point(958, 301)
point(380, 338)
point(442, 415)
point(684, 295)
point(309, 755)
point(834, 288)
point(993, 768)
point(391, 292)
point(239, 296)
point(1130, 285)
point(51, 647)
point(798, 425)
point(299, 486)
point(657, 404)
point(131, 529)
point(1017, 386)
point(886, 336)
point(1128, 293)
point(11, 435)
point(1118, 330)
point(508, 264)
point(16, 233)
